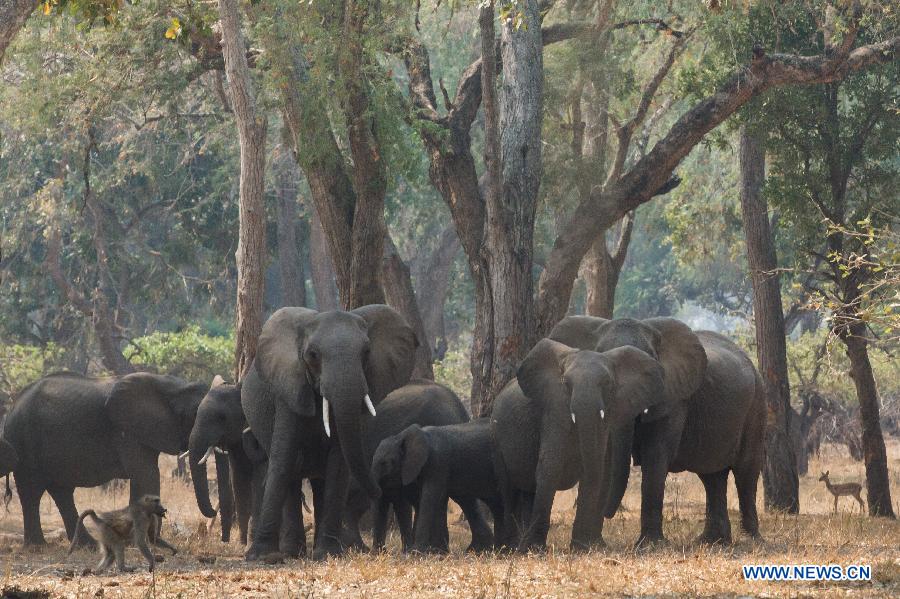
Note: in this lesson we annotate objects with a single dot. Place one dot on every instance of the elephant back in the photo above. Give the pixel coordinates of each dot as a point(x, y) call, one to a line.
point(156, 410)
point(60, 431)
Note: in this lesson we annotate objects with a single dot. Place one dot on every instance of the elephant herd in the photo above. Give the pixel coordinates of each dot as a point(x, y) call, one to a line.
point(328, 399)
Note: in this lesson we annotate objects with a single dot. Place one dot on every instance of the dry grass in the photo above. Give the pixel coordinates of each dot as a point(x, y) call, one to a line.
point(683, 568)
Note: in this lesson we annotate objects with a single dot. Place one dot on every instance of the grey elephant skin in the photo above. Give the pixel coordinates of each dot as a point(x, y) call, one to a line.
point(442, 462)
point(309, 365)
point(72, 431)
point(420, 402)
point(710, 421)
point(552, 427)
point(8, 457)
point(219, 424)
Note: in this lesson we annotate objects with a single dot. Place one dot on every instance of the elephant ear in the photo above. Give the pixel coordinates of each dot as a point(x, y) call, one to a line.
point(156, 410)
point(392, 348)
point(540, 373)
point(682, 357)
point(279, 362)
point(580, 332)
point(639, 386)
point(415, 454)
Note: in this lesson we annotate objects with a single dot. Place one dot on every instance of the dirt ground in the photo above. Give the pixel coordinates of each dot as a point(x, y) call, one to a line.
point(205, 567)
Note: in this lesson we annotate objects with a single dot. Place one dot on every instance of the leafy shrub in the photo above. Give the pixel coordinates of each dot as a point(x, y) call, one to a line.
point(453, 371)
point(23, 364)
point(190, 354)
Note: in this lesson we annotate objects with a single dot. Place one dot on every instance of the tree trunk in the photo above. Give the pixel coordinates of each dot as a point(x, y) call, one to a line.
point(251, 251)
point(399, 292)
point(511, 204)
point(290, 260)
point(321, 272)
point(13, 14)
point(432, 286)
point(601, 271)
point(780, 481)
point(878, 489)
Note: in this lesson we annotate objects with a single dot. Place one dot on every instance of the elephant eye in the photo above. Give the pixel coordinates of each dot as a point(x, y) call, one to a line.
point(312, 356)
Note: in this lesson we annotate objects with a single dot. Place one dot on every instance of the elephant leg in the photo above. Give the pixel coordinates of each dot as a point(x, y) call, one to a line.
point(292, 536)
point(357, 505)
point(717, 528)
point(283, 453)
point(403, 514)
point(337, 485)
point(142, 465)
point(318, 493)
point(654, 469)
point(482, 538)
point(497, 512)
point(535, 537)
point(30, 497)
point(432, 508)
point(241, 481)
point(379, 524)
point(64, 498)
point(747, 480)
point(226, 496)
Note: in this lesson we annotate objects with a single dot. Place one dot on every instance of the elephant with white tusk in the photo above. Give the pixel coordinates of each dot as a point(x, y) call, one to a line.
point(313, 387)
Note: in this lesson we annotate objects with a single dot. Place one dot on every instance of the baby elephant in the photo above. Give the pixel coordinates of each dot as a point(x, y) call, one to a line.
point(442, 462)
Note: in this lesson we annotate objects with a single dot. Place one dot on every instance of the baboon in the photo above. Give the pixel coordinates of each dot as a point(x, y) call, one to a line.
point(138, 523)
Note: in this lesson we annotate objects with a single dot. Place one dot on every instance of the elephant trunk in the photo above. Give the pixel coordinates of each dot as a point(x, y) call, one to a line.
point(198, 447)
point(620, 443)
point(348, 403)
point(593, 436)
point(226, 495)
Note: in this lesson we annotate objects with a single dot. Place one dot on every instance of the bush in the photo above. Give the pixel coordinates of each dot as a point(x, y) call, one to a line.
point(453, 371)
point(23, 364)
point(190, 354)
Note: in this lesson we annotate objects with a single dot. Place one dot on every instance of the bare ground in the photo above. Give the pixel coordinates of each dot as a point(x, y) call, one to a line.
point(205, 567)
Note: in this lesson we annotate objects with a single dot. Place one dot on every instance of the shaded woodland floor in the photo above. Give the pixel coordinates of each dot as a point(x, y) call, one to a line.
point(205, 567)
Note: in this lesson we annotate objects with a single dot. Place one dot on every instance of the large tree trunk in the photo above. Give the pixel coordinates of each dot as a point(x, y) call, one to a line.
point(878, 488)
point(399, 292)
point(251, 252)
point(780, 481)
point(321, 272)
point(432, 287)
point(13, 14)
point(512, 200)
point(290, 259)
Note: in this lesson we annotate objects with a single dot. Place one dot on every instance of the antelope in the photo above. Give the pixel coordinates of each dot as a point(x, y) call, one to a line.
point(848, 489)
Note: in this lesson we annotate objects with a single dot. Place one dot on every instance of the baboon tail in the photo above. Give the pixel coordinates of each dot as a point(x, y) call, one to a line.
point(80, 526)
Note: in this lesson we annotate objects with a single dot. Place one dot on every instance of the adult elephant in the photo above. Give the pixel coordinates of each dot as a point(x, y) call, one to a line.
point(552, 427)
point(713, 420)
point(313, 369)
point(73, 431)
point(218, 430)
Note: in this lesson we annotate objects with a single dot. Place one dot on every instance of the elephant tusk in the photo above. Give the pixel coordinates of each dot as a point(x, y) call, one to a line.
point(245, 431)
point(181, 456)
point(205, 457)
point(369, 405)
point(573, 417)
point(602, 415)
point(325, 416)
point(221, 451)
point(646, 410)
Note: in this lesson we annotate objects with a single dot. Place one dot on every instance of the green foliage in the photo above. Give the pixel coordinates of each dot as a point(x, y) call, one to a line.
point(24, 364)
point(190, 354)
point(453, 371)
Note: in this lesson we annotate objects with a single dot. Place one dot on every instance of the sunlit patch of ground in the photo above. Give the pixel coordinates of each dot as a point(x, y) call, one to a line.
point(683, 568)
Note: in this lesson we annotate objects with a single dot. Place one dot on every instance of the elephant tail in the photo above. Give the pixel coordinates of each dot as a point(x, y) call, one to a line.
point(620, 467)
point(7, 495)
